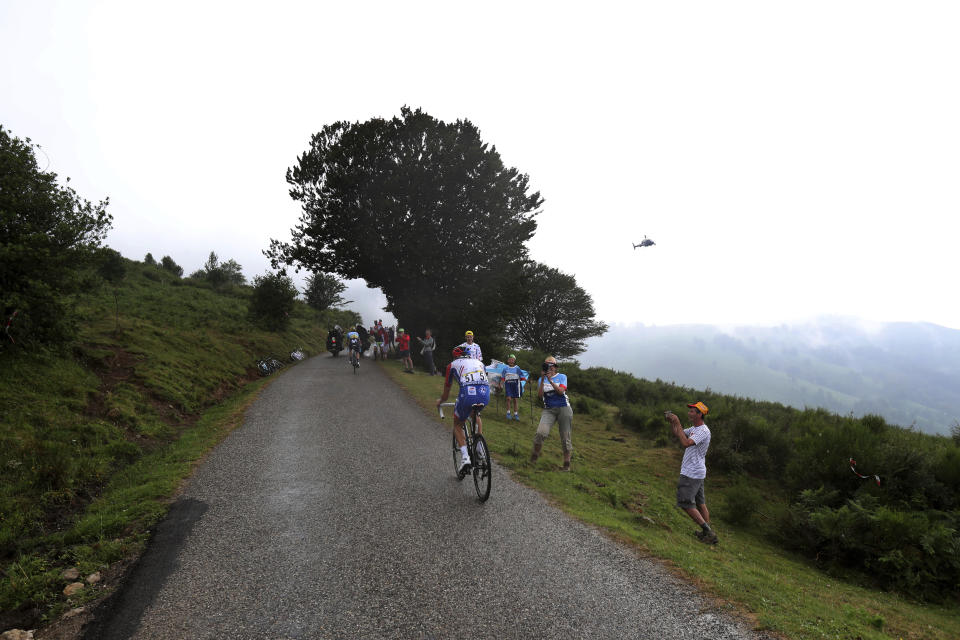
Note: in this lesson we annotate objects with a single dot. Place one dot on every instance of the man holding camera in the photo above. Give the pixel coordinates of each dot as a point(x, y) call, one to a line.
point(693, 469)
point(552, 389)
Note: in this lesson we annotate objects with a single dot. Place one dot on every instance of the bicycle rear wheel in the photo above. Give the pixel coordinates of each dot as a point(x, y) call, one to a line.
point(482, 469)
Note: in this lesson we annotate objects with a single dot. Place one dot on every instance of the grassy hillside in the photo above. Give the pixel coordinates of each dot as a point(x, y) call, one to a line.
point(623, 481)
point(95, 439)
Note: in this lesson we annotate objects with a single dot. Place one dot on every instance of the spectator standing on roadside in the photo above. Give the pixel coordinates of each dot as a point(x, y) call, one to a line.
point(552, 389)
point(513, 377)
point(471, 347)
point(429, 344)
point(403, 343)
point(390, 342)
point(382, 340)
point(693, 469)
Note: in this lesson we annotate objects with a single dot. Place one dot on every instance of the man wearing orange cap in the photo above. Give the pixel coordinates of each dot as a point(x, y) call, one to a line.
point(693, 469)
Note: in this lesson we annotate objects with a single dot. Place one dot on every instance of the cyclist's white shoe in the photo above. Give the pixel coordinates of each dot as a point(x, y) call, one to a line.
point(464, 466)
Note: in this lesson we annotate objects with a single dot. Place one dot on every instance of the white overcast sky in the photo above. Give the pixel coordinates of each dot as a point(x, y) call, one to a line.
point(789, 159)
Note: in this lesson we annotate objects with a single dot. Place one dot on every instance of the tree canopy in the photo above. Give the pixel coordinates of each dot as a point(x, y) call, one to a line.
point(220, 274)
point(272, 301)
point(49, 238)
point(323, 291)
point(556, 316)
point(423, 209)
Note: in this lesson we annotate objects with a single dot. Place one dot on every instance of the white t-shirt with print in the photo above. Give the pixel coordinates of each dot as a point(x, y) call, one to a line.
point(694, 463)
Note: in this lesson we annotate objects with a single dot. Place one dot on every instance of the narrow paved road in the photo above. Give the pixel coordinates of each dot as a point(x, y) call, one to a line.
point(333, 512)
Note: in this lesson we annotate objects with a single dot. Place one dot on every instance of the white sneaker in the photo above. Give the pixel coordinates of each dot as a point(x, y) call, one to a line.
point(464, 465)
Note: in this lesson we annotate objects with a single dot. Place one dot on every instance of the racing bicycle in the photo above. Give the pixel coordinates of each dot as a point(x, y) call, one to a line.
point(477, 449)
point(355, 361)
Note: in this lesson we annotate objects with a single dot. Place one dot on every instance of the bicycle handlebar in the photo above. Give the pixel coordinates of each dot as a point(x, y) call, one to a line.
point(445, 404)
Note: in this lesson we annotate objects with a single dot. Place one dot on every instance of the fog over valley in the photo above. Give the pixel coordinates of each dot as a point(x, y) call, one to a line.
point(908, 373)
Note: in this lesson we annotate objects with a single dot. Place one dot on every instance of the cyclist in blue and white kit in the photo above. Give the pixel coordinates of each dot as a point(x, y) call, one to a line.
point(474, 389)
point(353, 343)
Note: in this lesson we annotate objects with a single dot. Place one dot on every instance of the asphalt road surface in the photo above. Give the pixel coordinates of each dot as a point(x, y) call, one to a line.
point(333, 512)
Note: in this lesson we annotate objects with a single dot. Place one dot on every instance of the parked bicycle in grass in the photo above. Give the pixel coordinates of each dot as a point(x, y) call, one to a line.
point(269, 364)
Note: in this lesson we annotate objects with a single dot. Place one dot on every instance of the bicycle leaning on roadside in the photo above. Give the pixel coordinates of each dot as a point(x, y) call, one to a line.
point(480, 465)
point(269, 364)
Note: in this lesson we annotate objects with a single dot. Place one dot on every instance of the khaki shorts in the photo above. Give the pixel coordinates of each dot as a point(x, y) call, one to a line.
point(550, 416)
point(690, 492)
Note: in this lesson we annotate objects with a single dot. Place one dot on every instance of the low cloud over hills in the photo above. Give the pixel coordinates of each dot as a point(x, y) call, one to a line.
point(909, 373)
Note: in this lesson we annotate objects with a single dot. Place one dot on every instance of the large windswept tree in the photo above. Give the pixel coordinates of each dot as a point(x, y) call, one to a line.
point(557, 315)
point(422, 209)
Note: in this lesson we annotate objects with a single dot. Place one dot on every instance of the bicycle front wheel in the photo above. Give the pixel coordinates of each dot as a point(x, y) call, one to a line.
point(482, 469)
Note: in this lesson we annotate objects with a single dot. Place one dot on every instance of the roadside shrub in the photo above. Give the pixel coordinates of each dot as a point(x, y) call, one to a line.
point(916, 553)
point(633, 418)
point(584, 405)
point(272, 300)
point(743, 501)
point(748, 444)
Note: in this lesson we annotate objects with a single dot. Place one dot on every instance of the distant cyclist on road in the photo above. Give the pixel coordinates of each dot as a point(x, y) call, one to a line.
point(474, 389)
point(471, 347)
point(354, 345)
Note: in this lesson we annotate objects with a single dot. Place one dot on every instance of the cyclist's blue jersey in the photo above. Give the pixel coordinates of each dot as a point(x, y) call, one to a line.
point(466, 372)
point(353, 339)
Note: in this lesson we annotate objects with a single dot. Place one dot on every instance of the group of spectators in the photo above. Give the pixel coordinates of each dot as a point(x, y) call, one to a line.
point(557, 410)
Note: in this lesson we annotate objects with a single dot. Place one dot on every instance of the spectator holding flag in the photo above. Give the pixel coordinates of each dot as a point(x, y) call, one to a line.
point(513, 379)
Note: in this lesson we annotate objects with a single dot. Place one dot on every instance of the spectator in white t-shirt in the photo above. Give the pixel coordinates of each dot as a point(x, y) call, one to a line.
point(693, 469)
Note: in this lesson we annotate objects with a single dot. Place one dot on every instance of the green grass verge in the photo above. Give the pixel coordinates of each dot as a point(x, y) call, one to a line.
point(95, 439)
point(115, 526)
point(624, 484)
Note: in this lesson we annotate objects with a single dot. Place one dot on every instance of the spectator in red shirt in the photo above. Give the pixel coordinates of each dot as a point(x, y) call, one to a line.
point(403, 345)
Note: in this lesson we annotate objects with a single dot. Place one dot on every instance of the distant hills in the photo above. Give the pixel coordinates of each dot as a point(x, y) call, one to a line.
point(909, 373)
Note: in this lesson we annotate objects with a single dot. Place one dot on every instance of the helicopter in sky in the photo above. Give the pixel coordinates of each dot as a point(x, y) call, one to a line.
point(646, 242)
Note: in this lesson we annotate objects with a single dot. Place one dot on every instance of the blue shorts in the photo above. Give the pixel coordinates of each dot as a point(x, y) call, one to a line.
point(512, 388)
point(470, 395)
